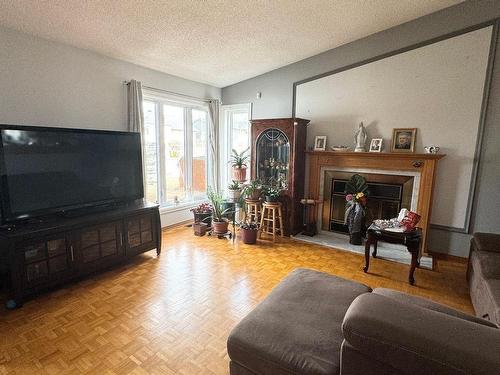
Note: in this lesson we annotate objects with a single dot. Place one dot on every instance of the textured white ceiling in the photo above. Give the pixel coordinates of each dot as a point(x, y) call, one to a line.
point(215, 42)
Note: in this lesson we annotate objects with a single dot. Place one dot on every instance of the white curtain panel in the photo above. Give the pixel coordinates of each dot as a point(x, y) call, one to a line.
point(213, 142)
point(135, 116)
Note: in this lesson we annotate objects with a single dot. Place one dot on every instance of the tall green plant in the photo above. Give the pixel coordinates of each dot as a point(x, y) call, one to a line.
point(239, 160)
point(217, 208)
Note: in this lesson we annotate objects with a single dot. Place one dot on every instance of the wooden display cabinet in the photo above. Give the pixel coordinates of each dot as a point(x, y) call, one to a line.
point(278, 154)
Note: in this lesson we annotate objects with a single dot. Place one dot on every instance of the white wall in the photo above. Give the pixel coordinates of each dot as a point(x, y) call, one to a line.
point(277, 94)
point(52, 84)
point(437, 89)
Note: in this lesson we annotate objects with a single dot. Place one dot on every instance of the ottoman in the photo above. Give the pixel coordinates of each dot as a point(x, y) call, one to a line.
point(296, 329)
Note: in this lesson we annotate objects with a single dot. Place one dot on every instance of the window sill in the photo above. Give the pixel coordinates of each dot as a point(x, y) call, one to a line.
point(181, 206)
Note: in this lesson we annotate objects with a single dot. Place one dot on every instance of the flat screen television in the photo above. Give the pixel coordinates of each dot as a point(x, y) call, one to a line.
point(48, 170)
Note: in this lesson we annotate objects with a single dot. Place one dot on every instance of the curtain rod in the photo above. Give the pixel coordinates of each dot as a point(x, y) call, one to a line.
point(172, 93)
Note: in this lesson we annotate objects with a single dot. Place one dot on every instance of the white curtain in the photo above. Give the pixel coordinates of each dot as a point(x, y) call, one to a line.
point(213, 142)
point(135, 117)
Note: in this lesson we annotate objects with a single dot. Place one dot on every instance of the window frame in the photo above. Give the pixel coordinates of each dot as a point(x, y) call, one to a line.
point(188, 105)
point(226, 137)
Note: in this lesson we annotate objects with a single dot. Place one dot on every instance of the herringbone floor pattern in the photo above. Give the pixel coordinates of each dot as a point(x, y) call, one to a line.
point(172, 315)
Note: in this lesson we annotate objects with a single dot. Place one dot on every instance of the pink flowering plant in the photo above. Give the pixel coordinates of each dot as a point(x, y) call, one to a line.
point(203, 208)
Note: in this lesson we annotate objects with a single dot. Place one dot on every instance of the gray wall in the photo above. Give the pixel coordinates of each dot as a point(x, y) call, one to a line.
point(277, 91)
point(47, 83)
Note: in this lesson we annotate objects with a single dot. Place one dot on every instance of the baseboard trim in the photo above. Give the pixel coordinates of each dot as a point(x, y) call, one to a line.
point(176, 225)
point(442, 256)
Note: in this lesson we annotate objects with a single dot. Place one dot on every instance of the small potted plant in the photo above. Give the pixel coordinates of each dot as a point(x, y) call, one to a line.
point(234, 190)
point(219, 221)
point(252, 191)
point(357, 192)
point(239, 163)
point(203, 214)
point(249, 230)
point(272, 193)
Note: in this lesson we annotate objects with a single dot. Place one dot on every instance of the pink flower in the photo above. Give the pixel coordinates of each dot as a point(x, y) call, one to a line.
point(348, 197)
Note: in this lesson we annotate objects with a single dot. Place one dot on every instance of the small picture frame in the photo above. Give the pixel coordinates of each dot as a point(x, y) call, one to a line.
point(320, 143)
point(376, 145)
point(403, 139)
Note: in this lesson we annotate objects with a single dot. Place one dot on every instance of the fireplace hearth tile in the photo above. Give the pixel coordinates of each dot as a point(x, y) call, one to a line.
point(387, 251)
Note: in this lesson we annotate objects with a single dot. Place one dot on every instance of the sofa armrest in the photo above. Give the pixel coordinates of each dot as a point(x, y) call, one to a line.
point(416, 340)
point(486, 242)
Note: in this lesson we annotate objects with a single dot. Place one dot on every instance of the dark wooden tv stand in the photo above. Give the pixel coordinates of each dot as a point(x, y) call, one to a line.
point(49, 253)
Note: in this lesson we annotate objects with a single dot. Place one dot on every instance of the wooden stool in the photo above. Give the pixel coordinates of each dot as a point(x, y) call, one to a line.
point(253, 210)
point(271, 213)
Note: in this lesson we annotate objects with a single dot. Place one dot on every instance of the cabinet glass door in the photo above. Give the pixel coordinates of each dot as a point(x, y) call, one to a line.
point(273, 158)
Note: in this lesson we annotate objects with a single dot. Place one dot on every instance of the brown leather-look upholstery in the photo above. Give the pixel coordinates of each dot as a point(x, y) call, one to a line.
point(483, 274)
point(297, 328)
point(416, 340)
point(313, 323)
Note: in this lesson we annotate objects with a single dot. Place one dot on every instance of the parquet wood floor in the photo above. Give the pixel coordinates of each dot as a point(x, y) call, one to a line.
point(172, 315)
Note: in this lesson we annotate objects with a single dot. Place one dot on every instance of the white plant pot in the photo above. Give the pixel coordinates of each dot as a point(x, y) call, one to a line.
point(234, 194)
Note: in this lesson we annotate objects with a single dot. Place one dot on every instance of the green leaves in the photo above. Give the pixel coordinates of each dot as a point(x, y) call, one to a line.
point(239, 160)
point(357, 184)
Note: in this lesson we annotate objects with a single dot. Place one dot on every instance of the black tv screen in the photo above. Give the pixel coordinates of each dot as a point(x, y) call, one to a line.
point(47, 170)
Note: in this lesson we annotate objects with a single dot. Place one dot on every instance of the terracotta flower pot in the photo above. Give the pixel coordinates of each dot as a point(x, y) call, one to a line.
point(220, 227)
point(249, 236)
point(240, 174)
point(256, 194)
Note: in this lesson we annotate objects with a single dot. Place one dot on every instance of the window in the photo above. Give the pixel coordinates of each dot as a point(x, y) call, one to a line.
point(176, 150)
point(235, 134)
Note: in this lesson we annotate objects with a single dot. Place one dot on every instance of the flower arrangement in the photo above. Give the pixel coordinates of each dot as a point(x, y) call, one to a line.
point(356, 197)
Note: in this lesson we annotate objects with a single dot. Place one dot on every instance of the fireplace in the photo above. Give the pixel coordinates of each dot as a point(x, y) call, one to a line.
point(416, 170)
point(388, 193)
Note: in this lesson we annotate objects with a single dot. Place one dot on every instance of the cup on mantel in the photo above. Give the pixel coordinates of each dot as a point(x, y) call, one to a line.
point(431, 149)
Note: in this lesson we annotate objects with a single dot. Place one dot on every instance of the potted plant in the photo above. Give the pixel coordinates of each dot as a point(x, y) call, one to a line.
point(272, 193)
point(234, 190)
point(219, 221)
point(239, 163)
point(249, 230)
point(203, 214)
point(357, 192)
point(253, 190)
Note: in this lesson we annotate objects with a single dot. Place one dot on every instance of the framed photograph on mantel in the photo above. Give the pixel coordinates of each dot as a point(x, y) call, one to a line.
point(403, 140)
point(320, 143)
point(376, 145)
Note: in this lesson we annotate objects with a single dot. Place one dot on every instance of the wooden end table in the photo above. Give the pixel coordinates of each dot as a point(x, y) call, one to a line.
point(412, 240)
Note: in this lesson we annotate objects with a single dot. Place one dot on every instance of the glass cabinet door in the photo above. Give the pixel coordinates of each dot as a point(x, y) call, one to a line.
point(273, 157)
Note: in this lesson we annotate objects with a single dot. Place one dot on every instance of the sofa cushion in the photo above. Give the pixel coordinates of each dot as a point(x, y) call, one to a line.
point(486, 242)
point(297, 328)
point(428, 304)
point(419, 341)
point(486, 263)
point(492, 287)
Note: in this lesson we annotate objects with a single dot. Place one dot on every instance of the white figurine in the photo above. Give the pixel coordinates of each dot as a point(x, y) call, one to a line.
point(360, 139)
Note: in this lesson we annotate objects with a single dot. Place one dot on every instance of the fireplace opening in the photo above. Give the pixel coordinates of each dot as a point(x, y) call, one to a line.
point(387, 195)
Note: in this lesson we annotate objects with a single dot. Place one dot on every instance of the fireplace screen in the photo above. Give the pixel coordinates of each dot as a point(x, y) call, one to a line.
point(385, 200)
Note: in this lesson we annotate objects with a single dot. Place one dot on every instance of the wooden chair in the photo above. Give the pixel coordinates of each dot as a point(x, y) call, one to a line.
point(271, 214)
